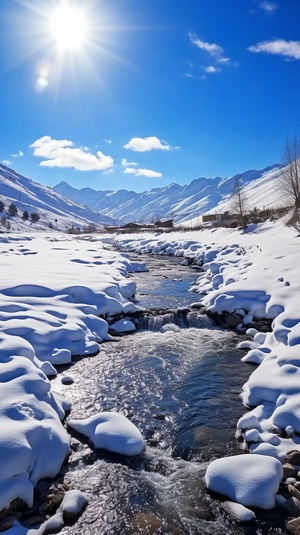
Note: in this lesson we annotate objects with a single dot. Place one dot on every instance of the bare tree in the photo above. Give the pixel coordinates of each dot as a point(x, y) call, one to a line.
point(239, 200)
point(289, 179)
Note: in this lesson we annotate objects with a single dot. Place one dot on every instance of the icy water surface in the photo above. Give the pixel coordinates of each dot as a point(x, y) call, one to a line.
point(180, 387)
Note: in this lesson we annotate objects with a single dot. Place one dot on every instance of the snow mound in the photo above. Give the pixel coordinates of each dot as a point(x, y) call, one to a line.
point(111, 431)
point(33, 443)
point(251, 480)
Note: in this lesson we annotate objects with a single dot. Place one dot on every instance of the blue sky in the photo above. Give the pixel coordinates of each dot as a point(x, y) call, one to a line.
point(137, 94)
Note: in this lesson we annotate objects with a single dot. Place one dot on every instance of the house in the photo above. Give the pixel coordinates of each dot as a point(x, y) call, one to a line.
point(212, 218)
point(166, 223)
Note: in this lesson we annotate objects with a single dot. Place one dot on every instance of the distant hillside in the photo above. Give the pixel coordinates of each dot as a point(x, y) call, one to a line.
point(184, 203)
point(51, 206)
point(62, 207)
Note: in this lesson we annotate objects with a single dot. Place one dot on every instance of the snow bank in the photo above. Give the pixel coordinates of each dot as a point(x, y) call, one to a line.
point(111, 431)
point(66, 284)
point(252, 275)
point(51, 293)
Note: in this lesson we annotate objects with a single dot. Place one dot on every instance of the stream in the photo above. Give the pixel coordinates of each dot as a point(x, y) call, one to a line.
point(178, 380)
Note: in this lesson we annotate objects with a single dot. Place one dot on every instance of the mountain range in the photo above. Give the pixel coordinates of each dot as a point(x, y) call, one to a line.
point(64, 206)
point(53, 208)
point(183, 203)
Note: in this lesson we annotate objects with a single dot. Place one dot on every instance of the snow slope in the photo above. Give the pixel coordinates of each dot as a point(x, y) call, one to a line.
point(185, 203)
point(50, 205)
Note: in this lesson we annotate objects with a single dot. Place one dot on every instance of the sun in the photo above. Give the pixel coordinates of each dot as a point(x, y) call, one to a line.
point(68, 27)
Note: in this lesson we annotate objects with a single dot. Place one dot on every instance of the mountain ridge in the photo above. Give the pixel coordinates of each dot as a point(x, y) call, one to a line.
point(69, 207)
point(50, 205)
point(182, 202)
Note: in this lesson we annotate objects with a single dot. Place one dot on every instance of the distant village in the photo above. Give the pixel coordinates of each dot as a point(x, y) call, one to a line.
point(225, 219)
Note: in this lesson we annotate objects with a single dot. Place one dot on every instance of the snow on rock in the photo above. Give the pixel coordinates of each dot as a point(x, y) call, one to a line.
point(111, 431)
point(73, 503)
point(238, 511)
point(122, 326)
point(251, 480)
point(33, 443)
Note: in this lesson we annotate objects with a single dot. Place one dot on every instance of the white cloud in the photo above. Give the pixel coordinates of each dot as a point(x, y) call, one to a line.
point(108, 171)
point(18, 154)
point(223, 60)
point(125, 163)
point(145, 144)
point(214, 52)
point(6, 162)
point(211, 69)
point(142, 172)
point(59, 153)
point(211, 48)
point(108, 141)
point(290, 49)
point(269, 7)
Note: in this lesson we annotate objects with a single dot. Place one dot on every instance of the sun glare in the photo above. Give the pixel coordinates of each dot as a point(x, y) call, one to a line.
point(69, 27)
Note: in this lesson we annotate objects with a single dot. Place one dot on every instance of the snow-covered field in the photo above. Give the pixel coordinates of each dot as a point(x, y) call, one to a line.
point(53, 288)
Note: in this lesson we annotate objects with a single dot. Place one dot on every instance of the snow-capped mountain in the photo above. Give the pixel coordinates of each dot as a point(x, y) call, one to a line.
point(64, 206)
point(50, 205)
point(184, 203)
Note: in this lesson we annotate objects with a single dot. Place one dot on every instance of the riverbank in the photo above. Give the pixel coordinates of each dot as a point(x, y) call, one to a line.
point(53, 291)
point(253, 276)
point(58, 296)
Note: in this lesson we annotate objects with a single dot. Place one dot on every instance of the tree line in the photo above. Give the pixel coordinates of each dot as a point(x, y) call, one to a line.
point(13, 211)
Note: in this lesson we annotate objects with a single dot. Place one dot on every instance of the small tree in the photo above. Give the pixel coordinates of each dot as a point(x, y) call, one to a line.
point(239, 200)
point(3, 221)
point(25, 215)
point(289, 178)
point(34, 217)
point(2, 206)
point(12, 210)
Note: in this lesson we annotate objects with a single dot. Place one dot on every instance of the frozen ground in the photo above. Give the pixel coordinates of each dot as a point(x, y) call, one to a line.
point(52, 290)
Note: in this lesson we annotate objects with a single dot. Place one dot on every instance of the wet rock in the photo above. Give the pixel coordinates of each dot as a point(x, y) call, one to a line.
point(67, 380)
point(293, 526)
point(293, 507)
point(262, 326)
point(197, 305)
point(294, 492)
point(215, 317)
point(232, 320)
point(6, 523)
point(293, 457)
point(50, 497)
point(289, 470)
point(291, 481)
point(15, 508)
point(297, 484)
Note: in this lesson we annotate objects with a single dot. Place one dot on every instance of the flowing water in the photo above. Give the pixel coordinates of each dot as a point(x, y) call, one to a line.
point(179, 384)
